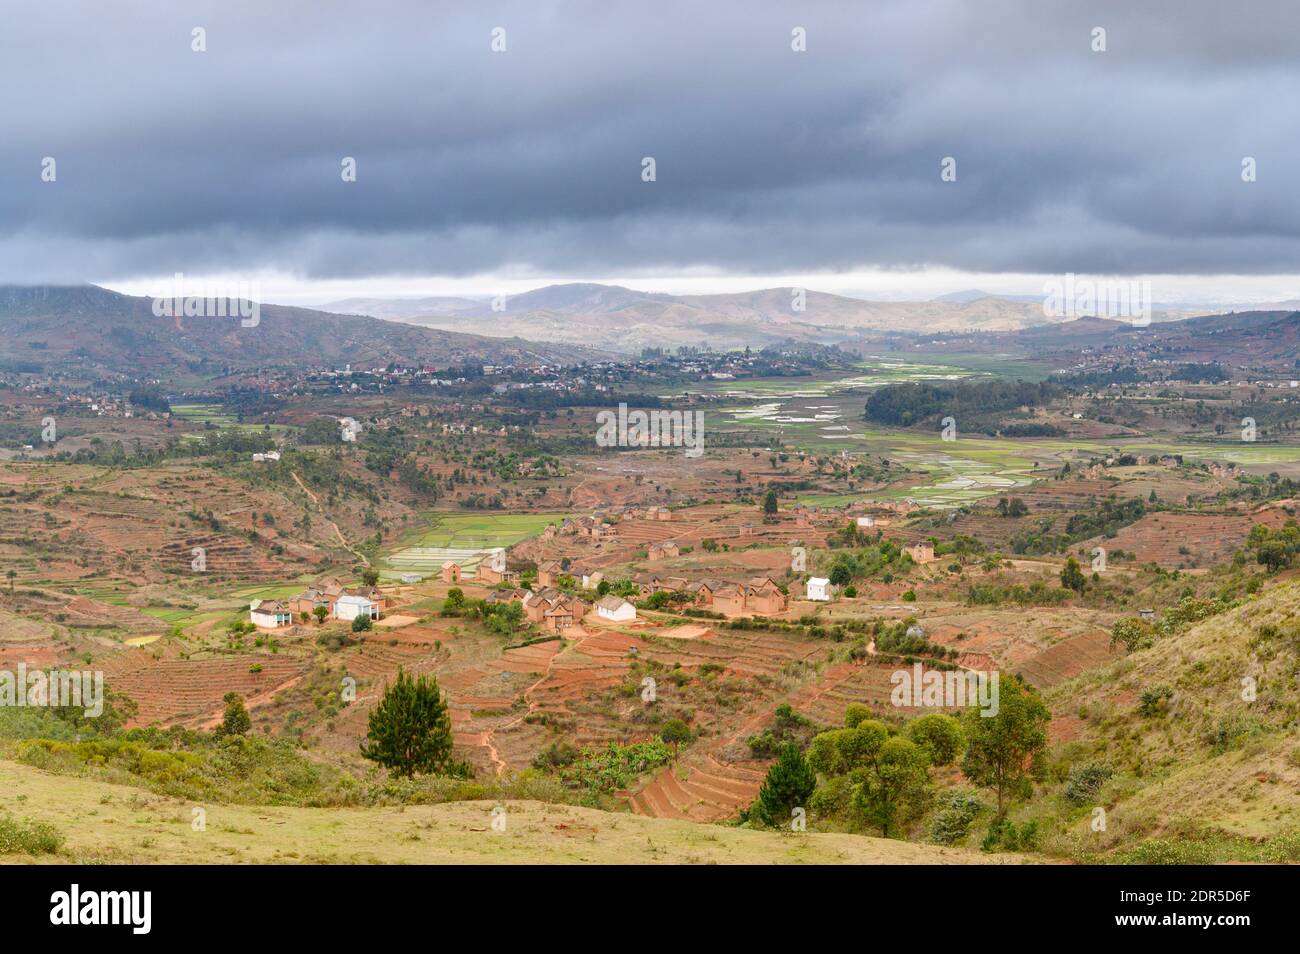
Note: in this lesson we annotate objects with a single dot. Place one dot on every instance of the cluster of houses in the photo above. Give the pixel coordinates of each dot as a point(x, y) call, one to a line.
point(663, 551)
point(760, 595)
point(553, 610)
point(341, 602)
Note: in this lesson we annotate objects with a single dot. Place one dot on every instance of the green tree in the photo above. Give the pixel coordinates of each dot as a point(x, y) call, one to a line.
point(320, 612)
point(896, 785)
point(370, 577)
point(362, 623)
point(856, 713)
point(675, 732)
point(235, 721)
point(789, 784)
point(409, 730)
point(1000, 748)
point(10, 574)
point(1072, 577)
point(891, 773)
point(769, 503)
point(1133, 634)
point(455, 601)
point(940, 735)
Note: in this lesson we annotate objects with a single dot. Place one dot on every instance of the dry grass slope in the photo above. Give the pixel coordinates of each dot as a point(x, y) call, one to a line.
point(117, 824)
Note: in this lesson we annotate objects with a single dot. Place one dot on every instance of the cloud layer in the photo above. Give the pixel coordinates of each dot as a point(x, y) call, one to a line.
point(768, 160)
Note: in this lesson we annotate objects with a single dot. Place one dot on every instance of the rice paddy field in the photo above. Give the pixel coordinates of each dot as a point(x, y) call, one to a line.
point(204, 414)
point(463, 539)
point(215, 414)
point(825, 415)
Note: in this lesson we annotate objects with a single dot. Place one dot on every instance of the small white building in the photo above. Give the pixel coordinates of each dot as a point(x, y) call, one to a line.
point(350, 607)
point(411, 578)
point(819, 589)
point(269, 614)
point(615, 609)
point(866, 521)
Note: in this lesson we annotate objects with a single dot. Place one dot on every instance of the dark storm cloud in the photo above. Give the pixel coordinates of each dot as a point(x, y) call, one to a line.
point(768, 160)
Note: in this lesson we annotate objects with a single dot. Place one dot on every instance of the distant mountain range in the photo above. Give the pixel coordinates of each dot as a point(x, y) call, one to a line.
point(94, 332)
point(623, 319)
point(101, 331)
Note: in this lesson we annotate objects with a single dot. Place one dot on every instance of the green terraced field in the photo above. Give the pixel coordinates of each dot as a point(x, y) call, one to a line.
point(462, 538)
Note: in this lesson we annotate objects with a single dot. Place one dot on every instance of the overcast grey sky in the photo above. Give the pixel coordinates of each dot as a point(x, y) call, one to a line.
point(476, 167)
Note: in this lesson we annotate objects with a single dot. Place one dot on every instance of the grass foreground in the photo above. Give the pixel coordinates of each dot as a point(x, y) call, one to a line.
point(107, 823)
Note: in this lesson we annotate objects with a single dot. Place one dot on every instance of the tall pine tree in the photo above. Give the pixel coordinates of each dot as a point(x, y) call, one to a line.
point(789, 785)
point(410, 729)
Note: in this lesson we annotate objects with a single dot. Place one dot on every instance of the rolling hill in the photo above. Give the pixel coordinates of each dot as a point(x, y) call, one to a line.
point(628, 320)
point(91, 330)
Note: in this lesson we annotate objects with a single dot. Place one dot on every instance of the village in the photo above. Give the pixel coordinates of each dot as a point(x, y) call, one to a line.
point(561, 593)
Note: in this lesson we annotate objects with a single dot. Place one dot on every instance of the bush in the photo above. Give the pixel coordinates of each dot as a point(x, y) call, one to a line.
point(1004, 835)
point(953, 820)
point(20, 836)
point(1155, 700)
point(556, 755)
point(601, 771)
point(1085, 782)
point(361, 624)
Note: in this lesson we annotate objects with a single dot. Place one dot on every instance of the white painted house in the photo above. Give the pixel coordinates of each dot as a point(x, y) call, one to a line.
point(819, 589)
point(350, 607)
point(866, 521)
point(411, 578)
point(615, 609)
point(269, 614)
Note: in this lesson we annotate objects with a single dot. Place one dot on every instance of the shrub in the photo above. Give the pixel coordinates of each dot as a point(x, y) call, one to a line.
point(556, 755)
point(1155, 700)
point(953, 819)
point(616, 766)
point(21, 836)
point(1005, 835)
point(1085, 782)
